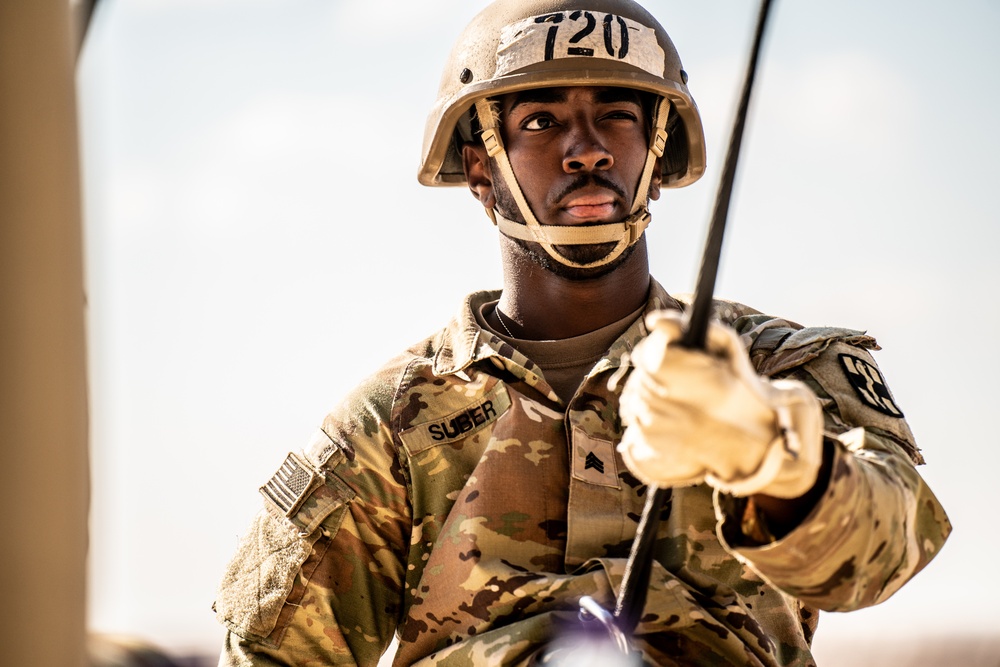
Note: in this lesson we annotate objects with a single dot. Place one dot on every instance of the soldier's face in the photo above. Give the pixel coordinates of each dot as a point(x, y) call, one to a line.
point(578, 154)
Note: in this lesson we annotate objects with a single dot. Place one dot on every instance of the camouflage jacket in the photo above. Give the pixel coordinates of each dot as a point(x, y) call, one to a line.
point(455, 500)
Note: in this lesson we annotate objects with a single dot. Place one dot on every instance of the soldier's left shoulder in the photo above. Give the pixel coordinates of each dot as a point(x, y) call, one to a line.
point(838, 365)
point(777, 344)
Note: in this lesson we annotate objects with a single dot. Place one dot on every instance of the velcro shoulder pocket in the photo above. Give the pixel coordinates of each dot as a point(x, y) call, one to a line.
point(261, 579)
point(850, 376)
point(845, 375)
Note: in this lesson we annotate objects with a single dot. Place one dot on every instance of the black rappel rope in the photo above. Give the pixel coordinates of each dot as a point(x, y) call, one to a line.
point(632, 595)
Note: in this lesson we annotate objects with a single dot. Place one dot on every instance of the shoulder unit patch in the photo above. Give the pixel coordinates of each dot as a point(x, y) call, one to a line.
point(869, 385)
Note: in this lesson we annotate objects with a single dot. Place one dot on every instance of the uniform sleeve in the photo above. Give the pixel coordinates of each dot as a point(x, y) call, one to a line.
point(877, 524)
point(318, 579)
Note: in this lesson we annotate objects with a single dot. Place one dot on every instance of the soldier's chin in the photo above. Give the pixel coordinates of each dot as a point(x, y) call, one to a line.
point(581, 254)
point(585, 254)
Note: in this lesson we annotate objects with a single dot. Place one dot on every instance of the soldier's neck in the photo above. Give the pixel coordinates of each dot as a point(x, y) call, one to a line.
point(537, 304)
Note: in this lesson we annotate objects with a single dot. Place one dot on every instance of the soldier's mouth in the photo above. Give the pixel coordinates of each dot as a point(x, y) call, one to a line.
point(590, 207)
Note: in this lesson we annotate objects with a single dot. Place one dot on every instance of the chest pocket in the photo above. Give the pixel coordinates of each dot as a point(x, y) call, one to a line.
point(478, 414)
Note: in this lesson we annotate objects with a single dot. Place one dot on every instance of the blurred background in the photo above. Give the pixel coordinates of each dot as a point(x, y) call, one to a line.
point(256, 242)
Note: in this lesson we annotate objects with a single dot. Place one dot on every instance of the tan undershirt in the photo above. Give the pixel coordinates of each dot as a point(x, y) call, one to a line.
point(565, 362)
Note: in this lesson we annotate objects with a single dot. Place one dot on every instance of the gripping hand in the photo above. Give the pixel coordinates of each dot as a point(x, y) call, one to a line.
point(694, 416)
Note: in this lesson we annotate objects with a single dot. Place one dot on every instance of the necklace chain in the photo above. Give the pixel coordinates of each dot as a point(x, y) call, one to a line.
point(500, 319)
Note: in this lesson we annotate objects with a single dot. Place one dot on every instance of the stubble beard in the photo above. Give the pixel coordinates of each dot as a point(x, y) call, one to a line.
point(581, 254)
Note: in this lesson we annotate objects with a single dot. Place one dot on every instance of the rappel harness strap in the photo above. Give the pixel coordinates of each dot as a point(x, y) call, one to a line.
point(623, 234)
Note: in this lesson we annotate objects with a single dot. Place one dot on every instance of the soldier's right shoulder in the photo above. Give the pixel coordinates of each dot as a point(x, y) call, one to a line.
point(368, 411)
point(350, 472)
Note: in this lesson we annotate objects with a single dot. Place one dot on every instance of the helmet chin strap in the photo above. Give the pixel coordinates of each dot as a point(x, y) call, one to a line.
point(623, 234)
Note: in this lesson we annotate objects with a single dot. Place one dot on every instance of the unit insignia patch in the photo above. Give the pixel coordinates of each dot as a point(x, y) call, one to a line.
point(869, 385)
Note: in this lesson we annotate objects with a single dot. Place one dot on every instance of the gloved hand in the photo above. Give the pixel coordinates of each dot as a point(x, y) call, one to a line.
point(694, 416)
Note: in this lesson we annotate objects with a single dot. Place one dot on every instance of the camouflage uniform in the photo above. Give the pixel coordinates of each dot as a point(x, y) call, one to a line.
point(456, 500)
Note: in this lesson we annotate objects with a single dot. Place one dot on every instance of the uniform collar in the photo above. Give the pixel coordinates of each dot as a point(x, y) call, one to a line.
point(463, 342)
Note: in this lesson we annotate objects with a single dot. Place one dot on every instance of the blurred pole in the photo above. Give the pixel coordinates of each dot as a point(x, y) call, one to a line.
point(81, 15)
point(43, 391)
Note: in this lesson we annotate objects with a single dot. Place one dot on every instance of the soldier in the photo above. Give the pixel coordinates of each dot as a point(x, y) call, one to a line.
point(473, 490)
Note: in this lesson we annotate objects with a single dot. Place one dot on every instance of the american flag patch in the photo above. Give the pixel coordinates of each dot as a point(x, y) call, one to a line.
point(289, 485)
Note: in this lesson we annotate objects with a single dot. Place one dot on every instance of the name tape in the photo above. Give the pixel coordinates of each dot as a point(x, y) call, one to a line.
point(458, 425)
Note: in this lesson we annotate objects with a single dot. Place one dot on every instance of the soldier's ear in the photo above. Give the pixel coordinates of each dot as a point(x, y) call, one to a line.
point(657, 180)
point(478, 174)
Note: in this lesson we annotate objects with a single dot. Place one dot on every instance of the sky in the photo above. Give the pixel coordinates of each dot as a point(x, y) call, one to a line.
point(257, 243)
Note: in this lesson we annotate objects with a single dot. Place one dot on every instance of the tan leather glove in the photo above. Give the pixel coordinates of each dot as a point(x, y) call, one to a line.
point(695, 416)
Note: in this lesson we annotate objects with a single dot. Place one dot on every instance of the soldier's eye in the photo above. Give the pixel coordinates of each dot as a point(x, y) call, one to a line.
point(539, 122)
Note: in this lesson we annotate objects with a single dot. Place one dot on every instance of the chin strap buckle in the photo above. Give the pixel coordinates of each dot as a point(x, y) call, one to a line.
point(659, 142)
point(636, 224)
point(492, 142)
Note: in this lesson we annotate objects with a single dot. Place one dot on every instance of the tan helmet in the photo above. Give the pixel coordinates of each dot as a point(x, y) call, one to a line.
point(477, 69)
point(515, 45)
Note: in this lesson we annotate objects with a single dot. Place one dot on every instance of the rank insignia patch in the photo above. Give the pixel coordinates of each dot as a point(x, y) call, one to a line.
point(594, 459)
point(869, 385)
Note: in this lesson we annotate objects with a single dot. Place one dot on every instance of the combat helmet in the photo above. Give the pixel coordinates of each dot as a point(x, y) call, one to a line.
point(515, 45)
